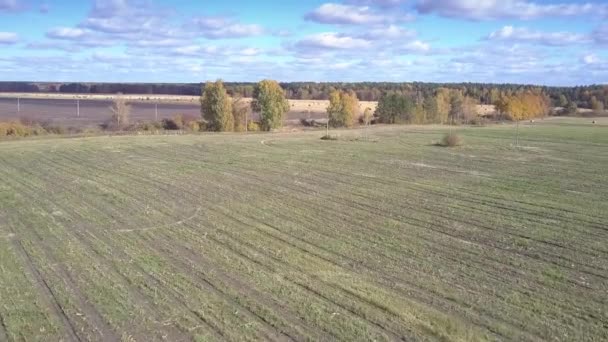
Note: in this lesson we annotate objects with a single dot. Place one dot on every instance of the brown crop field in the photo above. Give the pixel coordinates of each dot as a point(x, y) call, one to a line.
point(92, 110)
point(275, 236)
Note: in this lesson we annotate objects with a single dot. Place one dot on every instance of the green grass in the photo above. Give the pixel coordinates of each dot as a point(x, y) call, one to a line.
point(286, 236)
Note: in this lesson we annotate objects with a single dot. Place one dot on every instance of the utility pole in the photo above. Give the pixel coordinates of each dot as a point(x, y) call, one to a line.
point(78, 107)
point(18, 105)
point(246, 120)
point(156, 112)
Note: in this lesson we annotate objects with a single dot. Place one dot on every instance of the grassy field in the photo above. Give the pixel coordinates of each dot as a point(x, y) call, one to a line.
point(288, 237)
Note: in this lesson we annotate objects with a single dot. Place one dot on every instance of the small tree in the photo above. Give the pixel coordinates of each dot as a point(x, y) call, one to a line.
point(121, 112)
point(216, 107)
point(470, 109)
point(456, 107)
point(597, 106)
point(431, 109)
point(563, 101)
point(343, 108)
point(367, 116)
point(367, 119)
point(240, 110)
point(571, 108)
point(269, 100)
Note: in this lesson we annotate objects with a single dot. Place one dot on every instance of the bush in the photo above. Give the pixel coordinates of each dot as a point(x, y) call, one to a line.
point(329, 137)
point(53, 129)
point(169, 124)
point(15, 129)
point(253, 126)
point(451, 140)
point(193, 126)
point(478, 121)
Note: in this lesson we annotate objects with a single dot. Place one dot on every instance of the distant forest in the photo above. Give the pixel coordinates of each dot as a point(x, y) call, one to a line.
point(366, 91)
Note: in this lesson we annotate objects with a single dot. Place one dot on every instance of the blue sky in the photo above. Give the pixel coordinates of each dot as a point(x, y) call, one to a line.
point(562, 42)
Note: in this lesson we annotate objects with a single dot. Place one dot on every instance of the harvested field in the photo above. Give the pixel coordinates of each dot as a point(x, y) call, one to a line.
point(62, 108)
point(222, 237)
point(94, 110)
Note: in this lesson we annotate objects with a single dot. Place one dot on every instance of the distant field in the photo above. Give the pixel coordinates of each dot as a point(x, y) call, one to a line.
point(62, 108)
point(288, 237)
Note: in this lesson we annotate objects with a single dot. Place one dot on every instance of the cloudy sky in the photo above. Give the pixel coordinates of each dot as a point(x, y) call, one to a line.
point(552, 42)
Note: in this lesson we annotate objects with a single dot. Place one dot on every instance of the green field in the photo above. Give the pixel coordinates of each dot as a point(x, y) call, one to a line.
point(288, 237)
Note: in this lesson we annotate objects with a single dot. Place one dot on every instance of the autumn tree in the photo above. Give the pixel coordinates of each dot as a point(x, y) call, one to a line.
point(456, 107)
point(269, 100)
point(216, 107)
point(597, 106)
point(443, 98)
point(431, 109)
point(571, 108)
point(523, 105)
point(368, 115)
point(469, 108)
point(563, 101)
point(343, 108)
point(240, 112)
point(121, 112)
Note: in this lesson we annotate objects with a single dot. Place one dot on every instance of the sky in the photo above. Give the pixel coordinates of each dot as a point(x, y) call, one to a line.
point(546, 42)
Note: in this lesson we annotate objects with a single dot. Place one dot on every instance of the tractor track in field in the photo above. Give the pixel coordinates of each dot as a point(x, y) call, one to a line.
point(203, 241)
point(316, 293)
point(198, 316)
point(374, 210)
point(130, 230)
point(163, 226)
point(45, 291)
point(206, 273)
point(151, 280)
point(3, 330)
point(68, 283)
point(203, 283)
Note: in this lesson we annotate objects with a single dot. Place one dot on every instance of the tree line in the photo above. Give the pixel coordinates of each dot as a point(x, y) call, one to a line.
point(483, 93)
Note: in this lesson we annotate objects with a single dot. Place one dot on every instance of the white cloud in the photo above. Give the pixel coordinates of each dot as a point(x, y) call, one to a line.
point(122, 16)
point(379, 3)
point(417, 46)
point(591, 59)
point(340, 14)
point(66, 33)
point(525, 35)
point(332, 40)
point(389, 32)
point(224, 27)
point(8, 38)
point(507, 9)
point(250, 52)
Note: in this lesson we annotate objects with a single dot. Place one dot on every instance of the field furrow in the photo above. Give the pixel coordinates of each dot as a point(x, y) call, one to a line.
point(221, 237)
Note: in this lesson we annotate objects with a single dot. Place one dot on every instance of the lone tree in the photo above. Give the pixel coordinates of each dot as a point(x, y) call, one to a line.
point(596, 105)
point(216, 107)
point(269, 100)
point(121, 112)
point(240, 111)
point(571, 108)
point(457, 107)
point(343, 108)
